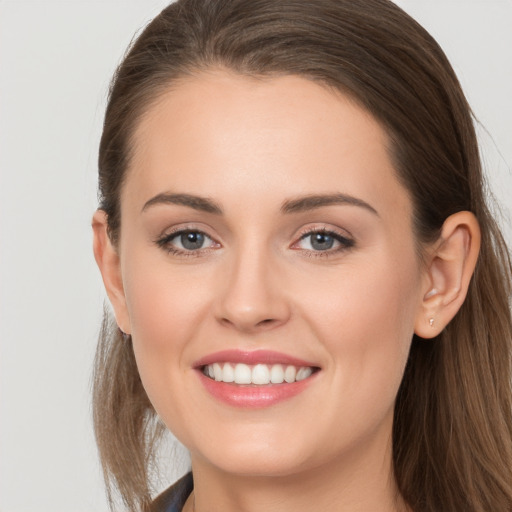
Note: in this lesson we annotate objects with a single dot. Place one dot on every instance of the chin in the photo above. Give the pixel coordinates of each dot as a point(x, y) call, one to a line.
point(262, 464)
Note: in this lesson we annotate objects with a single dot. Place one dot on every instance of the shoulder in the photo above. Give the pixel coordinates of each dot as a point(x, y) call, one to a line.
point(173, 498)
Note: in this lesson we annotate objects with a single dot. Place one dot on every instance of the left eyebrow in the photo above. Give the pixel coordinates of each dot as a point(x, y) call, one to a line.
point(311, 202)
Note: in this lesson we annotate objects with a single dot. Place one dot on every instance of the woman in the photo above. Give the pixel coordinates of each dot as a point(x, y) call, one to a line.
point(308, 287)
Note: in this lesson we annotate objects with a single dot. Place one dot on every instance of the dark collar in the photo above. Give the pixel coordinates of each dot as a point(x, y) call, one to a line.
point(173, 498)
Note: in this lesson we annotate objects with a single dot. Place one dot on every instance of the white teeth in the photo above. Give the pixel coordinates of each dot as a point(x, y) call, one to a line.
point(277, 374)
point(289, 374)
point(303, 373)
point(228, 374)
point(217, 372)
point(259, 374)
point(242, 374)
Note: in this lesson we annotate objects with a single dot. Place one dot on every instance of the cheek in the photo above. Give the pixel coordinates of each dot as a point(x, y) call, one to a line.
point(165, 311)
point(365, 316)
point(164, 308)
point(162, 303)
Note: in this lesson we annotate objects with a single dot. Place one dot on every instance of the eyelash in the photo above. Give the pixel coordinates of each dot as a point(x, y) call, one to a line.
point(344, 242)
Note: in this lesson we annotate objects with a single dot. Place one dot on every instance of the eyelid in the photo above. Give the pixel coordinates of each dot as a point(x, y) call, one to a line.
point(324, 228)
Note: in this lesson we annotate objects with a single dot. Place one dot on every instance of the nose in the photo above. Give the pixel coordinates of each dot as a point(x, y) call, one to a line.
point(252, 295)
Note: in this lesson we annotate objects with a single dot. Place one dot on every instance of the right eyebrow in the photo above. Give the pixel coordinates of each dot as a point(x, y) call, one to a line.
point(202, 204)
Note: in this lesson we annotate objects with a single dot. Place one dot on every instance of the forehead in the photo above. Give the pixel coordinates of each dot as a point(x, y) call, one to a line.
point(228, 135)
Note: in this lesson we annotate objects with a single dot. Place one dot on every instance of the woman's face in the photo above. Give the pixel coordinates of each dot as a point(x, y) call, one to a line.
point(265, 237)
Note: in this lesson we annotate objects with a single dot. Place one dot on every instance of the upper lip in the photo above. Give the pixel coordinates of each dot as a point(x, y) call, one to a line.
point(251, 357)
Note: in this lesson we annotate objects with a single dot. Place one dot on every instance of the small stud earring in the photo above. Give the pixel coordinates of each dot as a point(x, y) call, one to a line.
point(431, 322)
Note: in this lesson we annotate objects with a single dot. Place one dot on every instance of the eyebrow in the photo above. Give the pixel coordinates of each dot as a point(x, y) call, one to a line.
point(202, 204)
point(312, 202)
point(300, 204)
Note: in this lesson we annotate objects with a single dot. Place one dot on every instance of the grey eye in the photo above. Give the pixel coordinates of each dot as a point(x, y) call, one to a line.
point(324, 241)
point(191, 240)
point(321, 241)
point(186, 242)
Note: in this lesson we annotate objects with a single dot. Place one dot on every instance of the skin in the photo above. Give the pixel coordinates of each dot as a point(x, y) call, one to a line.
point(257, 283)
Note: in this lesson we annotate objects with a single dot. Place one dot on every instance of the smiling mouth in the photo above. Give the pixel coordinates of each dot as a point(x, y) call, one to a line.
point(258, 374)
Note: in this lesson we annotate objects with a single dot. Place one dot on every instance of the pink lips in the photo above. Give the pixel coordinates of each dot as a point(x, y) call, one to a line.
point(249, 395)
point(251, 357)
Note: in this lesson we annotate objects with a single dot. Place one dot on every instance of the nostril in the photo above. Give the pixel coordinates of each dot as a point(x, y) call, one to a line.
point(267, 322)
point(225, 321)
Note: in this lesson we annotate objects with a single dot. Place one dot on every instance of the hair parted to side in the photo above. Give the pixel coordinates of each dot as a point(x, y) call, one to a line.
point(452, 437)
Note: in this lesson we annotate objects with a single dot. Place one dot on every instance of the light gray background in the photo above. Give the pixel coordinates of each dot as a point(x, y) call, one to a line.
point(56, 59)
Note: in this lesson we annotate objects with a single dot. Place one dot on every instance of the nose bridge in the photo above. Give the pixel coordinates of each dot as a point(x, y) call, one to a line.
point(251, 297)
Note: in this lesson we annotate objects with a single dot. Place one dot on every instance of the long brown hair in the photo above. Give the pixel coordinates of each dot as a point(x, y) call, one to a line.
point(452, 436)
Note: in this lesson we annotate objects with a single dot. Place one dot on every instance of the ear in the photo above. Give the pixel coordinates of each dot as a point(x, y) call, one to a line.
point(449, 269)
point(109, 263)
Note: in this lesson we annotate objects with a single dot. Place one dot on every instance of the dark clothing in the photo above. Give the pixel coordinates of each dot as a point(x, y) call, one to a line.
point(173, 498)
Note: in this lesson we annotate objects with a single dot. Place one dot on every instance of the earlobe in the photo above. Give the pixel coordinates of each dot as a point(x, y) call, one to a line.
point(108, 261)
point(449, 271)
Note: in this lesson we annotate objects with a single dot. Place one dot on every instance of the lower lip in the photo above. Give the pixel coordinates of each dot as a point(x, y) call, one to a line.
point(252, 396)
